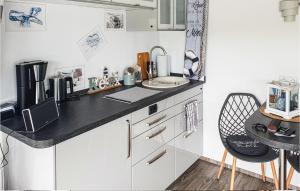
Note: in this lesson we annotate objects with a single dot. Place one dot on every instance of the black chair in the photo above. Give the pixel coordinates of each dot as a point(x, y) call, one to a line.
point(294, 160)
point(237, 108)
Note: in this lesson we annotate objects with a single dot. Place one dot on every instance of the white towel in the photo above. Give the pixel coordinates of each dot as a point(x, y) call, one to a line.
point(192, 116)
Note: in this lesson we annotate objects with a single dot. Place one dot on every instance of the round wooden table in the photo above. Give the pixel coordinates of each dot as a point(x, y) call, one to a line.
point(283, 144)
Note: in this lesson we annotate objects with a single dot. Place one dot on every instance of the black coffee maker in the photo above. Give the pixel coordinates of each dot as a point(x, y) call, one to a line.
point(30, 83)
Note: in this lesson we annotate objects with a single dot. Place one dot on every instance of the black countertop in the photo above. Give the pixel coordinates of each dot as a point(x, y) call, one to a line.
point(77, 117)
point(291, 144)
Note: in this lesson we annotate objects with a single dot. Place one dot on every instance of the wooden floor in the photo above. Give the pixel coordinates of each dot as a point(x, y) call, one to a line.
point(203, 176)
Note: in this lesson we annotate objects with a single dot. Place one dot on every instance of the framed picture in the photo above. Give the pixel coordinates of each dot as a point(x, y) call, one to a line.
point(91, 42)
point(115, 20)
point(77, 73)
point(24, 17)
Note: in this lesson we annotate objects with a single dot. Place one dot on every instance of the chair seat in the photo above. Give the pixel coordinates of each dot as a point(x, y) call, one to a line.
point(294, 161)
point(246, 145)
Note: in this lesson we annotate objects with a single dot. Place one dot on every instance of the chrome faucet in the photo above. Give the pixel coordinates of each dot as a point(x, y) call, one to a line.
point(150, 72)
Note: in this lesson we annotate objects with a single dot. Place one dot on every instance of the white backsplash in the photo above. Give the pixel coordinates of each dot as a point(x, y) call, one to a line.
point(66, 25)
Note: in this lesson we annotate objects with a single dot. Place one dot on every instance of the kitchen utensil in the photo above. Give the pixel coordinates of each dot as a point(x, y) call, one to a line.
point(142, 60)
point(129, 76)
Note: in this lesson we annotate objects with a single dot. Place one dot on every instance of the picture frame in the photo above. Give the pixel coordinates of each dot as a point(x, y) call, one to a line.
point(115, 20)
point(25, 17)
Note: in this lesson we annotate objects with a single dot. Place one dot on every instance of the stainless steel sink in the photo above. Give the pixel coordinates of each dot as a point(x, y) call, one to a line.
point(165, 82)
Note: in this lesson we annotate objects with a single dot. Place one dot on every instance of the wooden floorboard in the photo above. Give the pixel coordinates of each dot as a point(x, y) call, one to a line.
point(203, 176)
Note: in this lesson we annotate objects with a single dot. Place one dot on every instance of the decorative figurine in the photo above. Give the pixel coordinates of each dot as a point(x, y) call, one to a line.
point(104, 83)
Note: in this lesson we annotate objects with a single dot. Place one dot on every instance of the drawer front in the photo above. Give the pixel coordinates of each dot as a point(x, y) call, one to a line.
point(183, 157)
point(157, 171)
point(153, 121)
point(180, 120)
point(187, 94)
point(151, 140)
point(142, 114)
point(181, 106)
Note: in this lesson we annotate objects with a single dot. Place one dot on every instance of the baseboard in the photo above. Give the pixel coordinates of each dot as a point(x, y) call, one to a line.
point(244, 171)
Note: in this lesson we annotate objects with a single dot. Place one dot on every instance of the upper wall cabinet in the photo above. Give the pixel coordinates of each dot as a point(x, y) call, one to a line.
point(143, 3)
point(171, 14)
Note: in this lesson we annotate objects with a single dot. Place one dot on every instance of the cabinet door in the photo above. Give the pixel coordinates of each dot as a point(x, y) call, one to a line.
point(148, 3)
point(188, 146)
point(129, 2)
point(156, 172)
point(96, 160)
point(165, 15)
point(179, 14)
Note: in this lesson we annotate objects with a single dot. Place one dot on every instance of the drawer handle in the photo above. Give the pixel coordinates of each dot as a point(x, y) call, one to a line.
point(157, 157)
point(156, 121)
point(129, 139)
point(156, 134)
point(188, 134)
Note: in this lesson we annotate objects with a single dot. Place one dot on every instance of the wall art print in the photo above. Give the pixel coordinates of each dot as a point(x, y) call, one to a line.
point(90, 44)
point(196, 39)
point(115, 20)
point(22, 17)
point(77, 73)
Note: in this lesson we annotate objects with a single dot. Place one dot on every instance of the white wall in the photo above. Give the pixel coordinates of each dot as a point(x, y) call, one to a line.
point(174, 43)
point(248, 45)
point(66, 25)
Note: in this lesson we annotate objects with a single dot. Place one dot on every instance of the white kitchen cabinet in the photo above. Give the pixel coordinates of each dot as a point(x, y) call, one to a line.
point(143, 3)
point(188, 146)
point(98, 159)
point(148, 3)
point(156, 172)
point(165, 15)
point(171, 14)
point(129, 2)
point(179, 14)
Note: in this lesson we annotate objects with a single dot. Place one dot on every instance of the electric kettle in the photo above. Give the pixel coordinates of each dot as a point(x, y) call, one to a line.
point(60, 88)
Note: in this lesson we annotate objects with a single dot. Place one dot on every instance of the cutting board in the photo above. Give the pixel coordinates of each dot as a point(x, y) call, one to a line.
point(142, 60)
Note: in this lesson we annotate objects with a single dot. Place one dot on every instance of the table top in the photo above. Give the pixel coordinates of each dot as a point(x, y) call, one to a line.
point(291, 144)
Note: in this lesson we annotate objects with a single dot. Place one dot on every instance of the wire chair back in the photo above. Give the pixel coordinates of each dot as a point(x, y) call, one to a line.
point(237, 108)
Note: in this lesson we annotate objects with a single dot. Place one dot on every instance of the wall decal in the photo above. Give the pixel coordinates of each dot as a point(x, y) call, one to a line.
point(91, 43)
point(196, 39)
point(77, 73)
point(115, 20)
point(25, 17)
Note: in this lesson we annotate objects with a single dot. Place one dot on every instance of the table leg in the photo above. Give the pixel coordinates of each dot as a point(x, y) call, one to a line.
point(282, 169)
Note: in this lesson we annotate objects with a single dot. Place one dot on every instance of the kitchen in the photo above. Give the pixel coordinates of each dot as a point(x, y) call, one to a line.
point(243, 42)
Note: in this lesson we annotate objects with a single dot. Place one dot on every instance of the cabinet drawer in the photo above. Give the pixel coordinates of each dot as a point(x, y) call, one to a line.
point(183, 157)
point(151, 140)
point(180, 120)
point(187, 94)
point(157, 171)
point(144, 113)
point(181, 106)
point(153, 121)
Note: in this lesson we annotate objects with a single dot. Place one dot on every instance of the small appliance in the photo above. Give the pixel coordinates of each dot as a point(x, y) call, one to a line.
point(30, 83)
point(60, 88)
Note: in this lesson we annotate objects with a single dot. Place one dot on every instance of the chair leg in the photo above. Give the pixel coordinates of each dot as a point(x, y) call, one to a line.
point(222, 164)
point(263, 176)
point(274, 175)
point(233, 173)
point(290, 176)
